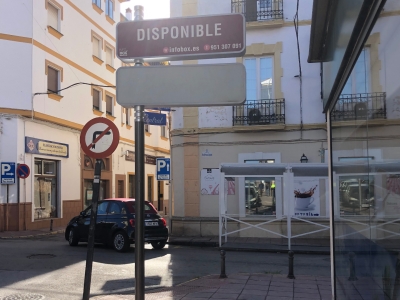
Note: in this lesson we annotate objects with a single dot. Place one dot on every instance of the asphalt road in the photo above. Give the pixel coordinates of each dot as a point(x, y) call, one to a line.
point(48, 266)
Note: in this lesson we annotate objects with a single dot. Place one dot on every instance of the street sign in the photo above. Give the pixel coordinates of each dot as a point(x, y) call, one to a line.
point(180, 86)
point(99, 138)
point(163, 169)
point(7, 173)
point(199, 37)
point(23, 171)
point(155, 119)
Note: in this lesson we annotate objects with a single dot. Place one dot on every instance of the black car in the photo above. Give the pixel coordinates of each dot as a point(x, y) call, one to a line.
point(115, 225)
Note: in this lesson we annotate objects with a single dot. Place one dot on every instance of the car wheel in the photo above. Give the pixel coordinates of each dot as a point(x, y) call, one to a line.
point(120, 241)
point(159, 244)
point(73, 238)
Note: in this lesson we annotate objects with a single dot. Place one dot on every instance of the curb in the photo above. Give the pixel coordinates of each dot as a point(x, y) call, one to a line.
point(31, 235)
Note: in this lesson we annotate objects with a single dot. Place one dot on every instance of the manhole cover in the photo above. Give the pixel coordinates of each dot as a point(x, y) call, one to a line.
point(24, 297)
point(41, 256)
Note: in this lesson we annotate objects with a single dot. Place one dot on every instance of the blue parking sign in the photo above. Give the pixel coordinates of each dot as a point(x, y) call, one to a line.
point(163, 168)
point(7, 173)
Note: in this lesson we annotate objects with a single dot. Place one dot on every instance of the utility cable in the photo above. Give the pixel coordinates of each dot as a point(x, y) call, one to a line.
point(296, 28)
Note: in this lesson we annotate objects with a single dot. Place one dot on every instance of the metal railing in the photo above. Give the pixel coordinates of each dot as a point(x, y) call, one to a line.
point(260, 112)
point(258, 10)
point(360, 107)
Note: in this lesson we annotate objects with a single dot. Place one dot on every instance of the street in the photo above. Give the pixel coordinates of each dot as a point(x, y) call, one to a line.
point(48, 266)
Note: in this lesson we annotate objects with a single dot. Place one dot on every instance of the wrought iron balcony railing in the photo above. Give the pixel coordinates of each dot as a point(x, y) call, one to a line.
point(260, 112)
point(258, 10)
point(360, 107)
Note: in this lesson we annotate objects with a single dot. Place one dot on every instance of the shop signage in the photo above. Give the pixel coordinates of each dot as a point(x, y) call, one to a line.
point(155, 119)
point(199, 37)
point(45, 147)
point(148, 159)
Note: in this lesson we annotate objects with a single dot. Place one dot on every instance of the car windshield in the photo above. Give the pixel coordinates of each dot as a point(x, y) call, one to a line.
point(148, 207)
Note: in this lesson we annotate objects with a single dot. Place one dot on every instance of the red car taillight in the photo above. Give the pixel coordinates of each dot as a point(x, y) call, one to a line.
point(132, 222)
point(164, 222)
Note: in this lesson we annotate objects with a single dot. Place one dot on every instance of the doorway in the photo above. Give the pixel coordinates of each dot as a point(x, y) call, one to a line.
point(160, 195)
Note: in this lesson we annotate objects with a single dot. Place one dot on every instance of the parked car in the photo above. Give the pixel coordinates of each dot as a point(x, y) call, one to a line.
point(253, 199)
point(115, 225)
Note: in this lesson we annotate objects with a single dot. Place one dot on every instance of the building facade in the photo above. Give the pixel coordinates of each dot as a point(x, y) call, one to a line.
point(281, 121)
point(59, 73)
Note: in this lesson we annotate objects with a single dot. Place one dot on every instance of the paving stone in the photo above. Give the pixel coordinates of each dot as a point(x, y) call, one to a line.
point(306, 295)
point(280, 293)
point(256, 287)
point(278, 298)
point(218, 295)
point(254, 292)
point(309, 291)
point(251, 297)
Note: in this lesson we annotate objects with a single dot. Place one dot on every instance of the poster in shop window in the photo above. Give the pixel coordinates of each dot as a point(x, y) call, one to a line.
point(210, 182)
point(306, 199)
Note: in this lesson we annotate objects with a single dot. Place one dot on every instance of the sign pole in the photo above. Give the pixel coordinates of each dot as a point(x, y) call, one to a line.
point(93, 217)
point(139, 182)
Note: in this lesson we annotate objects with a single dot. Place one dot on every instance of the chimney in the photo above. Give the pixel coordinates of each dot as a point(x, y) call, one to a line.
point(128, 14)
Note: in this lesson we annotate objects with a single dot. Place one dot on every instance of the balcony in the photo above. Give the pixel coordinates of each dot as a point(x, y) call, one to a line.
point(360, 107)
point(259, 112)
point(258, 10)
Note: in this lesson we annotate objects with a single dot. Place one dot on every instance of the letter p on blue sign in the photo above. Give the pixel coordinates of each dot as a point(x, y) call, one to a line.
point(7, 173)
point(163, 168)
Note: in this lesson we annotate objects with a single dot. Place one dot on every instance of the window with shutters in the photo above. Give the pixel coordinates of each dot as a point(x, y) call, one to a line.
point(109, 56)
point(97, 44)
point(164, 131)
point(96, 99)
point(109, 105)
point(54, 17)
point(97, 3)
point(128, 116)
point(54, 78)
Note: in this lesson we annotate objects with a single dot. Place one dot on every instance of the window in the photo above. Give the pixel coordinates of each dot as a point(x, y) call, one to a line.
point(110, 8)
point(96, 47)
point(52, 16)
point(109, 105)
point(359, 79)
point(164, 131)
point(109, 56)
point(150, 188)
point(97, 2)
point(52, 80)
point(146, 128)
point(128, 116)
point(259, 78)
point(45, 189)
point(96, 99)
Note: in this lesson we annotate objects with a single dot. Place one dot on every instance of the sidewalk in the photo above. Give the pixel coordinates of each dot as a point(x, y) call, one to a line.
point(241, 286)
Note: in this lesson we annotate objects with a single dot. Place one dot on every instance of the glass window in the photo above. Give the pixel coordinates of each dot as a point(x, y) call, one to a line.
point(109, 56)
point(96, 47)
point(358, 81)
point(97, 2)
point(102, 208)
point(110, 8)
point(115, 208)
point(128, 116)
point(259, 78)
point(45, 189)
point(164, 131)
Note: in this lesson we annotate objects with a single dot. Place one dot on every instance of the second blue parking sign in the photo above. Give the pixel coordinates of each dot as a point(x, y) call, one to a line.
point(163, 169)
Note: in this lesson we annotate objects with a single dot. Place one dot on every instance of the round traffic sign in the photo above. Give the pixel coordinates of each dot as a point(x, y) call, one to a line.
point(23, 171)
point(99, 138)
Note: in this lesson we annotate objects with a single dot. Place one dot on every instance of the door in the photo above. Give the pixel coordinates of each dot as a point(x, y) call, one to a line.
point(132, 186)
point(160, 197)
point(101, 225)
point(150, 188)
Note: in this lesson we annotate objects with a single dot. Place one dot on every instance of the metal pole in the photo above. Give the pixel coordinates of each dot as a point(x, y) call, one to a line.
point(291, 258)
point(8, 196)
point(139, 182)
point(92, 226)
point(223, 274)
point(170, 176)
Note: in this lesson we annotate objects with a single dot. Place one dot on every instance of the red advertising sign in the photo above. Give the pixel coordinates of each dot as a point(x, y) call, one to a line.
point(200, 37)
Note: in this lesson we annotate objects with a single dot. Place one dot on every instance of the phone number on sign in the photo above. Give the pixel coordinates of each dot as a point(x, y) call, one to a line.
point(223, 47)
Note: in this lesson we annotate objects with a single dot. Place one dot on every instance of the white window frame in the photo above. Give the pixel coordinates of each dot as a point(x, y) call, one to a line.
point(366, 53)
point(258, 75)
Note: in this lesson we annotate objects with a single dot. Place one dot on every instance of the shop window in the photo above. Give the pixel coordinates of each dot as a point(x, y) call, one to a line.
point(45, 189)
point(88, 191)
